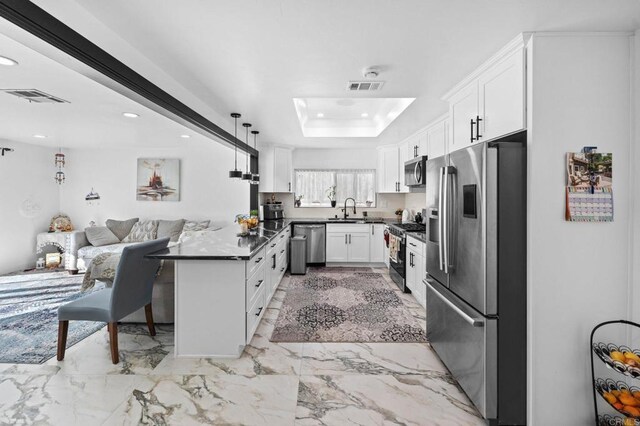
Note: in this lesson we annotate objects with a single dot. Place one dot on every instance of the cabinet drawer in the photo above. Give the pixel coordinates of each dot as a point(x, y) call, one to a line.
point(348, 228)
point(255, 283)
point(255, 314)
point(416, 246)
point(256, 262)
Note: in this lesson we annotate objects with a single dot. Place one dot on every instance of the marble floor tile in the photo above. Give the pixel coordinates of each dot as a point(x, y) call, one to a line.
point(260, 357)
point(382, 400)
point(139, 352)
point(197, 399)
point(60, 399)
point(371, 359)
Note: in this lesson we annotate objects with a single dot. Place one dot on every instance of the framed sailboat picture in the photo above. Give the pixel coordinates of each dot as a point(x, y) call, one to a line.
point(158, 179)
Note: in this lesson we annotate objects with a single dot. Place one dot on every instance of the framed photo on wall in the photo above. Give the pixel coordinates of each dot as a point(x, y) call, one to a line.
point(158, 179)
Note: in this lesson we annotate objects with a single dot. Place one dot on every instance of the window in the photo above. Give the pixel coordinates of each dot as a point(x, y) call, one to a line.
point(312, 187)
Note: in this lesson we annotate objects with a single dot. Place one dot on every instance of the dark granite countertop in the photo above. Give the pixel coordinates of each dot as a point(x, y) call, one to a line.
point(227, 244)
point(224, 244)
point(420, 236)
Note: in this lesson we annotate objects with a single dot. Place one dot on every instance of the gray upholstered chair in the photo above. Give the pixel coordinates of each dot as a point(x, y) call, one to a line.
point(132, 289)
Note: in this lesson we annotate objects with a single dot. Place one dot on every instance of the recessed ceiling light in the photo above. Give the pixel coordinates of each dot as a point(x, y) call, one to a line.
point(130, 114)
point(185, 136)
point(364, 115)
point(319, 115)
point(7, 61)
point(39, 136)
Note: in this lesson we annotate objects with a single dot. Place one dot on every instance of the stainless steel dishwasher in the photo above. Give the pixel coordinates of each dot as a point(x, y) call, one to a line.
point(315, 241)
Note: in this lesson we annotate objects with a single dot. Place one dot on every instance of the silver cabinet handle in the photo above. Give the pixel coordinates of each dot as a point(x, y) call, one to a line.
point(282, 251)
point(345, 238)
point(465, 316)
point(349, 238)
point(411, 244)
point(282, 270)
point(417, 172)
point(373, 229)
point(259, 311)
point(259, 283)
point(258, 260)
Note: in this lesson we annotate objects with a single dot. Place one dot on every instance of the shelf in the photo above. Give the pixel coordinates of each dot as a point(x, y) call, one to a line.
point(631, 364)
point(623, 398)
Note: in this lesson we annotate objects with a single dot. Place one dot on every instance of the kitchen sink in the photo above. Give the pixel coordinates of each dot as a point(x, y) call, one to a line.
point(354, 220)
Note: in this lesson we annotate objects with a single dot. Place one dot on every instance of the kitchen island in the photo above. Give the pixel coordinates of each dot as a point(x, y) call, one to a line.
point(223, 284)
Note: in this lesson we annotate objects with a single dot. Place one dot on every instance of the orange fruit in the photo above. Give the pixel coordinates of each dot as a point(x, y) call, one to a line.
point(611, 398)
point(616, 392)
point(631, 355)
point(618, 356)
point(636, 394)
point(618, 406)
point(632, 411)
point(629, 400)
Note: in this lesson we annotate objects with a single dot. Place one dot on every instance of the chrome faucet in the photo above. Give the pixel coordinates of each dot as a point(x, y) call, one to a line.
point(346, 215)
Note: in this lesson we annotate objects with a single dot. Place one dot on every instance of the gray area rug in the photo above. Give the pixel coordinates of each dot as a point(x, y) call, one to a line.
point(344, 305)
point(29, 316)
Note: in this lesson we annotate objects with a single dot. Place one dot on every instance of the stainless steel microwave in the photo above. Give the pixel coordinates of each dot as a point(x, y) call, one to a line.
point(415, 172)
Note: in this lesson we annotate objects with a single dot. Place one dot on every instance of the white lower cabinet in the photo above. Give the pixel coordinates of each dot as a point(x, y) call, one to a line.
point(264, 274)
point(416, 269)
point(377, 243)
point(355, 242)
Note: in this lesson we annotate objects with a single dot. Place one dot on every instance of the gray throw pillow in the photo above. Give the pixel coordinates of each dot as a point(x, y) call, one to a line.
point(143, 230)
point(121, 228)
point(192, 225)
point(170, 228)
point(100, 236)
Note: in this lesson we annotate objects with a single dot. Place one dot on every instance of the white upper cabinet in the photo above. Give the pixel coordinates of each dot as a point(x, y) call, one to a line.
point(501, 97)
point(405, 153)
point(388, 173)
point(436, 137)
point(490, 102)
point(463, 111)
point(276, 169)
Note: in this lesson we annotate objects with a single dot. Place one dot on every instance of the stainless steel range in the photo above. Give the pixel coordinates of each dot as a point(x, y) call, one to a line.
point(397, 266)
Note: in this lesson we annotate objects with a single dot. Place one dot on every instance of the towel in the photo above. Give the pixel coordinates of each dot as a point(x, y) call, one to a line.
point(394, 247)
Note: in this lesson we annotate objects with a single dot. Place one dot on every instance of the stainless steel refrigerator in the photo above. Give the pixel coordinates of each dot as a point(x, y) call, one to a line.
point(476, 273)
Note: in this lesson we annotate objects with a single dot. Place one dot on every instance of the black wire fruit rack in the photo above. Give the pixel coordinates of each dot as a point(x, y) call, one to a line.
point(616, 387)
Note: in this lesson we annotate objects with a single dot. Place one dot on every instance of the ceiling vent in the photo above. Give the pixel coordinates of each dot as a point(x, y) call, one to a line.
point(364, 86)
point(35, 95)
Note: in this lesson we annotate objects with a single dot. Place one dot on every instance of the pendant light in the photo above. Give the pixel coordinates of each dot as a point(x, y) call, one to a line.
point(235, 173)
point(255, 179)
point(247, 174)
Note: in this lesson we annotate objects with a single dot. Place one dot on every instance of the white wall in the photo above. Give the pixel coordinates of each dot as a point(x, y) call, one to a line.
point(335, 158)
point(206, 190)
point(25, 174)
point(635, 148)
point(578, 273)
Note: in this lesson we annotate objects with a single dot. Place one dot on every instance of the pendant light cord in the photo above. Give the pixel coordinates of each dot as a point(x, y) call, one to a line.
point(235, 144)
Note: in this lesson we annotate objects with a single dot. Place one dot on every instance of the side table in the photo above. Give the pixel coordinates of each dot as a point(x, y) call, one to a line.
point(61, 241)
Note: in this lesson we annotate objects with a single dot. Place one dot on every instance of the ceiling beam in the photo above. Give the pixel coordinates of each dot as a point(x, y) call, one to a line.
point(46, 27)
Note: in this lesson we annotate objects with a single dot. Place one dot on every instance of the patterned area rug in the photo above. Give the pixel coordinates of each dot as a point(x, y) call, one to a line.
point(29, 316)
point(344, 305)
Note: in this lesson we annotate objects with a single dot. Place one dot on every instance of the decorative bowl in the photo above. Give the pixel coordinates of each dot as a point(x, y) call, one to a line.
point(621, 358)
point(624, 398)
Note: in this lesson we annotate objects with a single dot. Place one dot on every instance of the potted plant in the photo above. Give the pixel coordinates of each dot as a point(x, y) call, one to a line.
point(399, 214)
point(298, 201)
point(331, 195)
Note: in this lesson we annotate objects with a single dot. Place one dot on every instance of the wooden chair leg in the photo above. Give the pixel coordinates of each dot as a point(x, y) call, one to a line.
point(149, 315)
point(113, 342)
point(63, 328)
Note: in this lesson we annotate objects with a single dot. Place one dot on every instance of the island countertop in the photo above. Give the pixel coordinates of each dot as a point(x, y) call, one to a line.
point(227, 244)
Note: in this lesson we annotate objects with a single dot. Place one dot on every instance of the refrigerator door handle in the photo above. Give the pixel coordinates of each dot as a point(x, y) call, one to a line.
point(476, 322)
point(445, 219)
point(440, 219)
